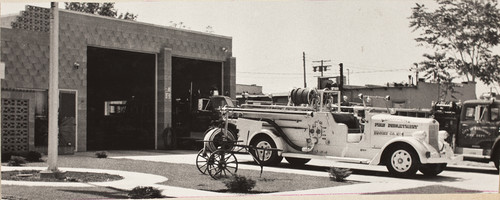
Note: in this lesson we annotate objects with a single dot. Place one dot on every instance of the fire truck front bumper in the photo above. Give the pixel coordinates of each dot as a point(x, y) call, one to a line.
point(434, 158)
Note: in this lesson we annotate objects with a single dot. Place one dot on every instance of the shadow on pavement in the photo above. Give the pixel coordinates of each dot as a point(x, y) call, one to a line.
point(438, 178)
point(431, 189)
point(475, 170)
point(112, 193)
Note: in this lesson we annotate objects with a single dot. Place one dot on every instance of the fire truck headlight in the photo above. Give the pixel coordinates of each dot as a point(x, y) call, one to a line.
point(419, 135)
point(442, 135)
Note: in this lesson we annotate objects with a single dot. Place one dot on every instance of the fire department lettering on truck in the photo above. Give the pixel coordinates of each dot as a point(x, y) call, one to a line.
point(386, 132)
point(389, 125)
point(390, 133)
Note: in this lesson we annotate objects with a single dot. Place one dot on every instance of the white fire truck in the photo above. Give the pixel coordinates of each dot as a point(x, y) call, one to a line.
point(308, 129)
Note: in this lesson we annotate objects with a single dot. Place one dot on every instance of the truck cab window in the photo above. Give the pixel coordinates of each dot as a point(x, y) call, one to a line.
point(469, 113)
point(484, 113)
point(495, 114)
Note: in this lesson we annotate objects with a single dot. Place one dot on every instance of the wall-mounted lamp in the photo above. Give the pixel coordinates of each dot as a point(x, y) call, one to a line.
point(76, 65)
point(224, 49)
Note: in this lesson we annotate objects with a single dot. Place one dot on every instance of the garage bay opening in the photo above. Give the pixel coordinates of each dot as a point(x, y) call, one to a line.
point(120, 99)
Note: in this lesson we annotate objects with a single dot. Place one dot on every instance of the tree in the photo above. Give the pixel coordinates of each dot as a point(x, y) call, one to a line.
point(104, 9)
point(462, 34)
point(436, 68)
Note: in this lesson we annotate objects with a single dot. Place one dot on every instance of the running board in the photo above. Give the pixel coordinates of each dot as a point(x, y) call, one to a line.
point(476, 158)
point(338, 159)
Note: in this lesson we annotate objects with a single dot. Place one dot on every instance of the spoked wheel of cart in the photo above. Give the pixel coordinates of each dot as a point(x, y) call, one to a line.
point(214, 139)
point(203, 161)
point(224, 164)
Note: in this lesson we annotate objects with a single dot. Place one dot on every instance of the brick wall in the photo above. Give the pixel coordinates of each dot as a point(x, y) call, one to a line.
point(26, 55)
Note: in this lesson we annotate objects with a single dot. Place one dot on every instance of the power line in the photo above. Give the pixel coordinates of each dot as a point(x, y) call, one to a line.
point(377, 71)
point(321, 67)
point(298, 73)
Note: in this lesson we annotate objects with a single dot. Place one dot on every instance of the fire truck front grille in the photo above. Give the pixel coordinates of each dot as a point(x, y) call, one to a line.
point(433, 136)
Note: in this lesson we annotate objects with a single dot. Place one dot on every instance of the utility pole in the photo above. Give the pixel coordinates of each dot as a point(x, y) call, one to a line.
point(347, 76)
point(322, 67)
point(341, 81)
point(53, 89)
point(304, 64)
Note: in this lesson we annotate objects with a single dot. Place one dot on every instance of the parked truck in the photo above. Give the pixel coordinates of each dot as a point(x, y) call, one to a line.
point(473, 127)
point(309, 128)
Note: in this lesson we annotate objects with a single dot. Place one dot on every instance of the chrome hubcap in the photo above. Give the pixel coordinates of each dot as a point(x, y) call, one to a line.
point(264, 155)
point(401, 160)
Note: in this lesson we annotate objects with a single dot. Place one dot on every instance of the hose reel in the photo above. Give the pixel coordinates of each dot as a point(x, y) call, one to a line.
point(300, 96)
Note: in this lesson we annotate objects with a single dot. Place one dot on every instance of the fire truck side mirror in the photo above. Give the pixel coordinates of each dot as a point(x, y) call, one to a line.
point(387, 98)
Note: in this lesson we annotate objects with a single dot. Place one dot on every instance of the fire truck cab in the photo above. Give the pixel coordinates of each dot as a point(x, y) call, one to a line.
point(473, 128)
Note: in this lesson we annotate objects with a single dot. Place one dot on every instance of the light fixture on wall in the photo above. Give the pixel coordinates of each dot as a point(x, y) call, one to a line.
point(224, 49)
point(76, 65)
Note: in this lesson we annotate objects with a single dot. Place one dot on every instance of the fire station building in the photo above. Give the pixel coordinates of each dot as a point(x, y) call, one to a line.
point(122, 84)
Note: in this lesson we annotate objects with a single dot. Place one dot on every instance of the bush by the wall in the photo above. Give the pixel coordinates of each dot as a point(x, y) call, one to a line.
point(17, 161)
point(6, 157)
point(145, 192)
point(34, 156)
point(339, 174)
point(239, 184)
point(101, 154)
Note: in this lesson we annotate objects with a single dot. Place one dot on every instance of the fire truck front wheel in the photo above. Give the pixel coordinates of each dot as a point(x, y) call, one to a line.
point(297, 161)
point(432, 169)
point(402, 161)
point(266, 157)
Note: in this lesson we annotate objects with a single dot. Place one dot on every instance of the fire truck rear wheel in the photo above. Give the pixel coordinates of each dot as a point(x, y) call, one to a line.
point(432, 169)
point(297, 161)
point(403, 161)
point(267, 157)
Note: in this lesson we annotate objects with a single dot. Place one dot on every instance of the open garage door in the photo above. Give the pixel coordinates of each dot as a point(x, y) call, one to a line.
point(191, 81)
point(120, 99)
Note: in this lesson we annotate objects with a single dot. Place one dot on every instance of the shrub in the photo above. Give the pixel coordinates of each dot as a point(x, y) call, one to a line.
point(33, 156)
point(239, 184)
point(145, 192)
point(60, 175)
point(6, 157)
point(17, 161)
point(72, 179)
point(339, 174)
point(101, 154)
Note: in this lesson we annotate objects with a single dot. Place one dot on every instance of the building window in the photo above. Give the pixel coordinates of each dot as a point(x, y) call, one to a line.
point(114, 107)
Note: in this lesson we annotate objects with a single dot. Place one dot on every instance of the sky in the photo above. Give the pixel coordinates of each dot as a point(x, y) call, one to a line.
point(371, 38)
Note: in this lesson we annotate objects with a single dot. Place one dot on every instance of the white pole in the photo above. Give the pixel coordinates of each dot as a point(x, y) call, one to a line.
point(53, 87)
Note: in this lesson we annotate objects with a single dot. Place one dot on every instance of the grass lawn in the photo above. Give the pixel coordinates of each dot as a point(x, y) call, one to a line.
point(69, 176)
point(61, 193)
point(180, 175)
